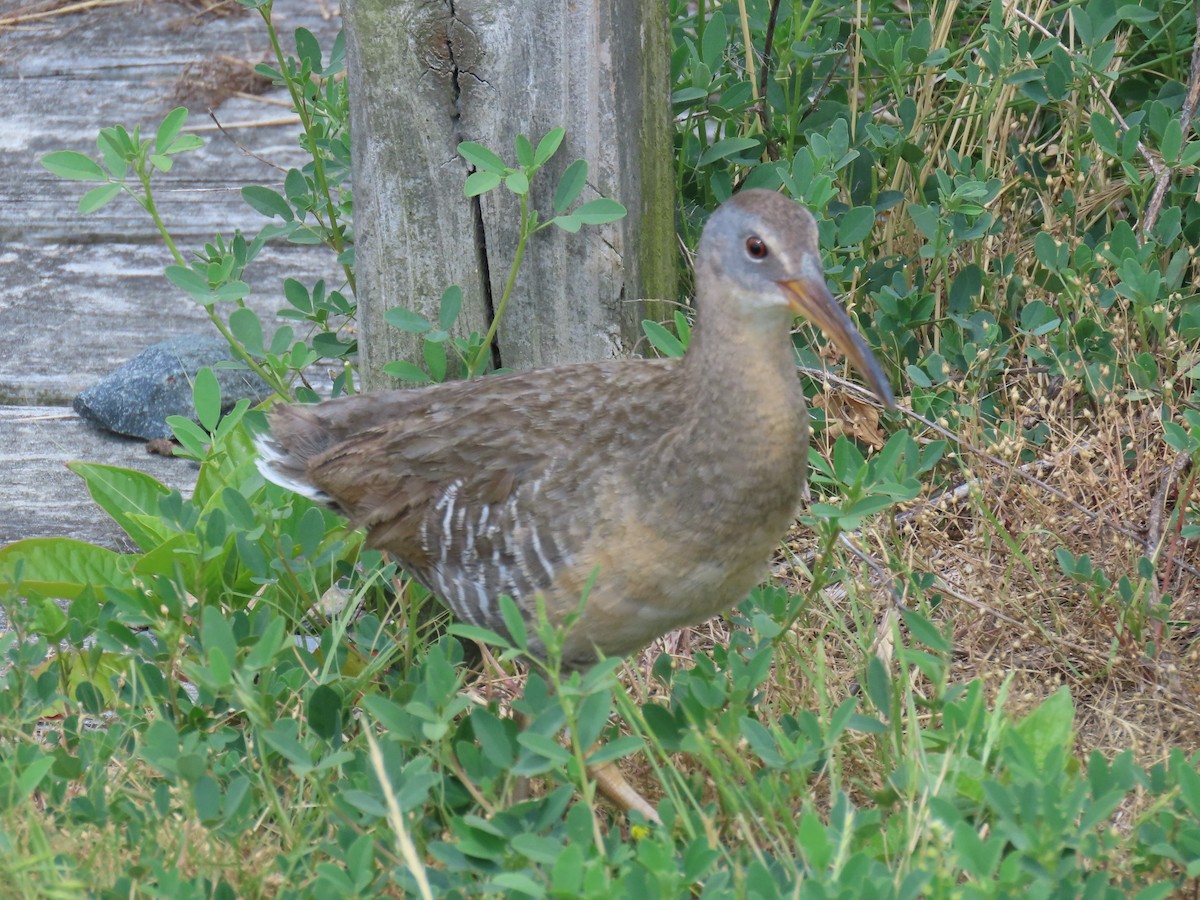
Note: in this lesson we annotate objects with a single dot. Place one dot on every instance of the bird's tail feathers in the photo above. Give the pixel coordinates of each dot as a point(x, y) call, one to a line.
point(283, 454)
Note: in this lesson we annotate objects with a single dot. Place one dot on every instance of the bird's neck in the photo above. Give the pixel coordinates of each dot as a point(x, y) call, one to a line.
point(744, 367)
point(743, 431)
point(745, 404)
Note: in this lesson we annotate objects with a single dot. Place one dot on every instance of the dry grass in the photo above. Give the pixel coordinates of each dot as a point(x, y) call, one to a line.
point(1135, 676)
point(999, 547)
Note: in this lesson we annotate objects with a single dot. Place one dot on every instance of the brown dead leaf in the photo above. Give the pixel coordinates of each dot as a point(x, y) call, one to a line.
point(846, 414)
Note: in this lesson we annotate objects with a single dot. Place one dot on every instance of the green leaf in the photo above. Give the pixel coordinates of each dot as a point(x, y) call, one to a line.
point(185, 142)
point(879, 686)
point(1172, 142)
point(592, 716)
point(268, 202)
point(113, 156)
point(727, 147)
point(188, 280)
point(482, 158)
point(130, 497)
point(176, 557)
point(32, 773)
point(435, 359)
point(206, 394)
point(50, 620)
point(661, 339)
point(518, 183)
point(545, 747)
point(813, 840)
point(855, 225)
point(617, 748)
point(1189, 788)
point(297, 187)
point(407, 371)
point(270, 642)
point(324, 712)
point(1105, 134)
point(216, 633)
point(1177, 438)
point(449, 307)
point(599, 212)
point(548, 146)
point(1162, 890)
point(480, 634)
point(687, 96)
point(407, 320)
point(1046, 250)
point(924, 631)
point(206, 796)
point(61, 568)
point(189, 434)
point(514, 621)
point(231, 291)
point(169, 129)
point(524, 152)
point(308, 50)
point(480, 183)
point(245, 325)
point(98, 197)
point(1132, 12)
point(496, 738)
point(569, 224)
point(570, 185)
point(298, 296)
point(72, 165)
point(1050, 726)
point(714, 41)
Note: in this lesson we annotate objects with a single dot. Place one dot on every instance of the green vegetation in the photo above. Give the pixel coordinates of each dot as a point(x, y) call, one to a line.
point(253, 705)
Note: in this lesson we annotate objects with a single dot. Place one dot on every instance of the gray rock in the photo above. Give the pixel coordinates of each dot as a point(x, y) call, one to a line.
point(136, 399)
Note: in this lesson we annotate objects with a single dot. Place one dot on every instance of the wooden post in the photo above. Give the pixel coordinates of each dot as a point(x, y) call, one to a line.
point(425, 76)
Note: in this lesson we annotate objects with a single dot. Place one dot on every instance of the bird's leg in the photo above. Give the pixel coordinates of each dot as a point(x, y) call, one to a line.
point(613, 785)
point(608, 780)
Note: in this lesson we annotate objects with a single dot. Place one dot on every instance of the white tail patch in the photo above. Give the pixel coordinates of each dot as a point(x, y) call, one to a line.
point(272, 463)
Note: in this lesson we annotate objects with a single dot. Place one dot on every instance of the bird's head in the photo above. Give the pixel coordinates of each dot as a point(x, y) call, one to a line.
point(760, 258)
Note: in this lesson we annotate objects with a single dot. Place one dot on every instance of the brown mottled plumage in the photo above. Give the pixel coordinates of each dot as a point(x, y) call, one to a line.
point(670, 481)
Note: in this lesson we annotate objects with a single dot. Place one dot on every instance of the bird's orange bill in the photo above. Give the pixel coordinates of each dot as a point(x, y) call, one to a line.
point(812, 300)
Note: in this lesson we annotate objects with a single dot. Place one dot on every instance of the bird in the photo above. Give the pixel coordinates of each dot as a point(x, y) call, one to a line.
point(655, 491)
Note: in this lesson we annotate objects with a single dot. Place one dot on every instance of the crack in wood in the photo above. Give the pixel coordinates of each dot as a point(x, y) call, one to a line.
point(457, 48)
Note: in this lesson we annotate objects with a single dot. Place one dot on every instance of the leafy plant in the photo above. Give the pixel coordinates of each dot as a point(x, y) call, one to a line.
point(315, 208)
point(490, 172)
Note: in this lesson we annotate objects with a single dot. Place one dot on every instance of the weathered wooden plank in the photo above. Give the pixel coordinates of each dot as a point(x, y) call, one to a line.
point(63, 79)
point(40, 497)
point(416, 231)
point(74, 312)
point(428, 75)
point(198, 198)
point(80, 295)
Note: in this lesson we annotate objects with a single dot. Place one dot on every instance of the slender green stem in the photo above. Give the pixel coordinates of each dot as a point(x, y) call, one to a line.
point(147, 199)
point(587, 787)
point(486, 347)
point(335, 228)
point(278, 386)
point(820, 578)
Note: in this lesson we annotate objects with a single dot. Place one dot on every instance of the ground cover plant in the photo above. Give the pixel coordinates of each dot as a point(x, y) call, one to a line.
point(976, 671)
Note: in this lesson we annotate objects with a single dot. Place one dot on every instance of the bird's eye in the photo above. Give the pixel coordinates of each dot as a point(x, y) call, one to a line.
point(757, 247)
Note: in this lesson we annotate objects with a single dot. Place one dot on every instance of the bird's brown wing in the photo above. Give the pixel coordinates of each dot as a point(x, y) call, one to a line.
point(454, 479)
